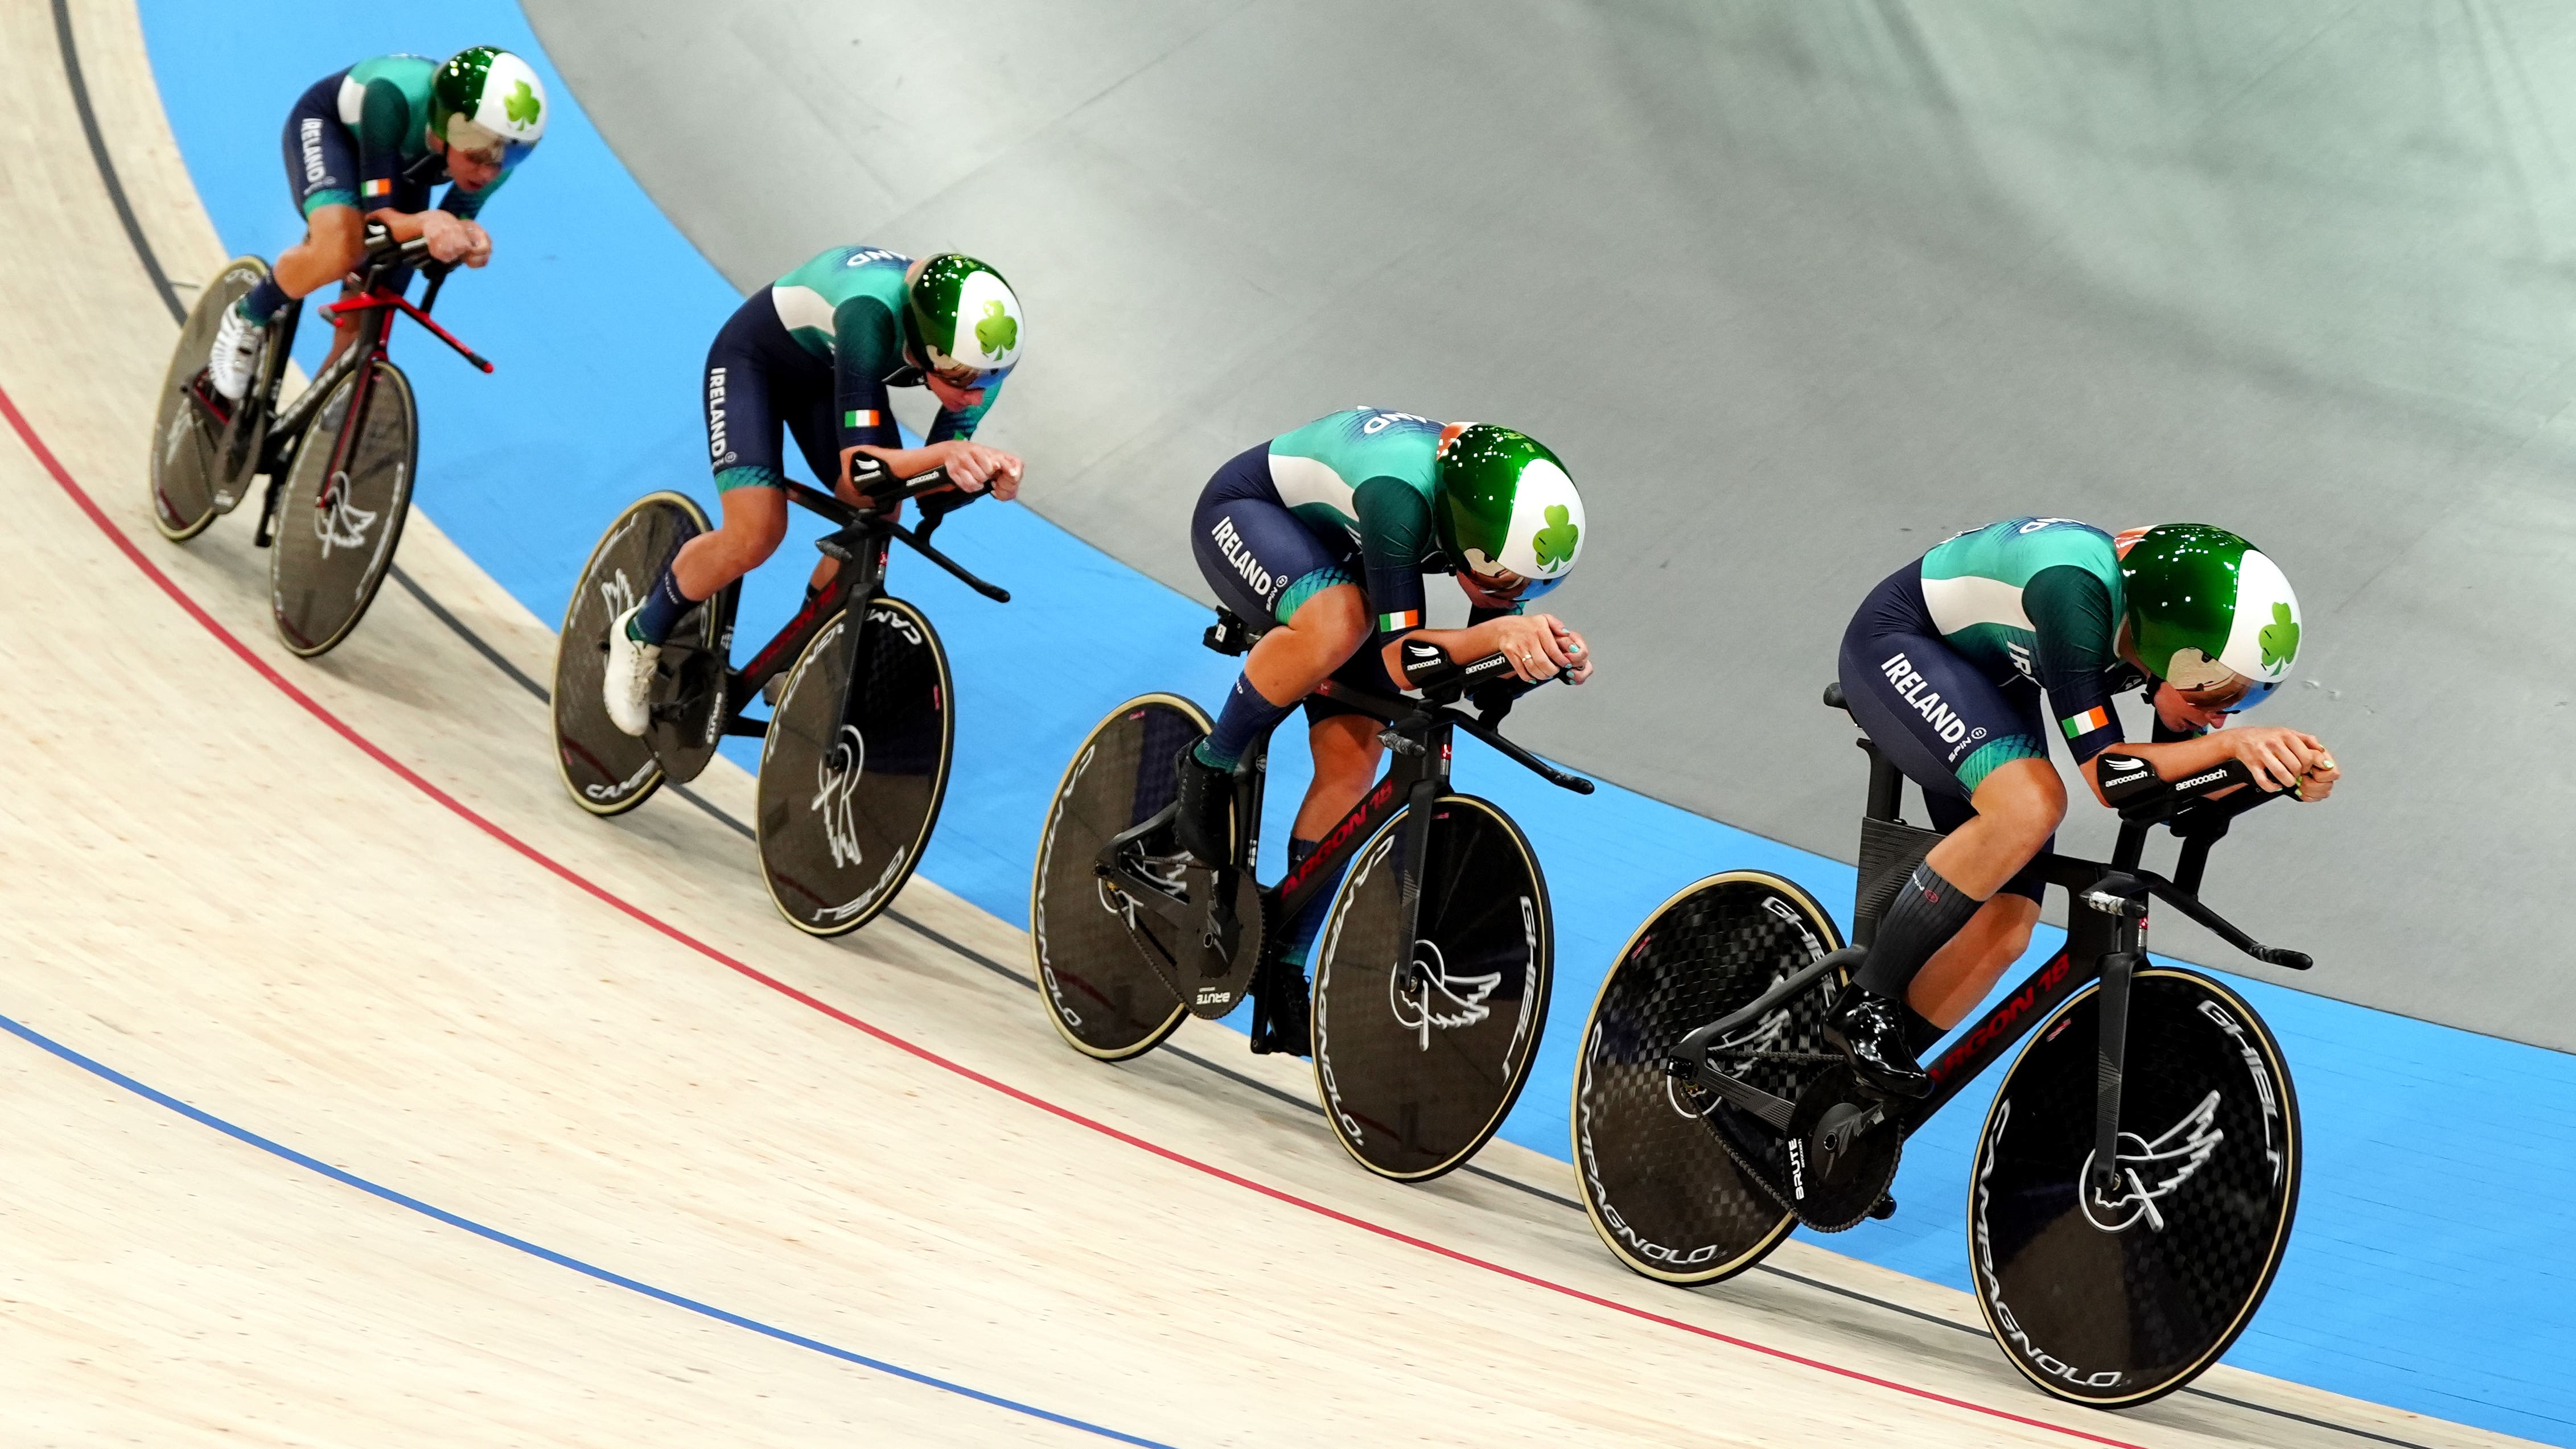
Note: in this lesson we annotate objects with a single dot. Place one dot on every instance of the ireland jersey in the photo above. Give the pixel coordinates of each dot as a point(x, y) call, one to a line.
point(845, 309)
point(2036, 599)
point(1370, 473)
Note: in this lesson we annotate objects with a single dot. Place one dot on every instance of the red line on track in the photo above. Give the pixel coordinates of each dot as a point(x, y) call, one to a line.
point(80, 496)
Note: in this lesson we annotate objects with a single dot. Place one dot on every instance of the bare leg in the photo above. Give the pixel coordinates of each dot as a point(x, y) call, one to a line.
point(1961, 973)
point(755, 520)
point(1319, 638)
point(2018, 807)
point(1346, 760)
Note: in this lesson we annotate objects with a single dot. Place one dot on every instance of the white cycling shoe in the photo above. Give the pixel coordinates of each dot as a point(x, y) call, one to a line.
point(235, 353)
point(627, 688)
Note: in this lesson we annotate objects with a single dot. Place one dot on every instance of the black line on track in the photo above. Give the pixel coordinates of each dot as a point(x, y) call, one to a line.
point(107, 176)
point(179, 313)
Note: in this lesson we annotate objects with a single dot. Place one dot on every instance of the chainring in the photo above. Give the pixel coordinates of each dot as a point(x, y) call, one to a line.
point(1839, 1168)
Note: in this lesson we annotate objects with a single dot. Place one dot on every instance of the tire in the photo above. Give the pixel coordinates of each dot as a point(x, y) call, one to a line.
point(324, 568)
point(1092, 978)
point(2113, 1307)
point(846, 805)
point(604, 769)
point(1658, 1185)
point(1416, 1076)
point(185, 471)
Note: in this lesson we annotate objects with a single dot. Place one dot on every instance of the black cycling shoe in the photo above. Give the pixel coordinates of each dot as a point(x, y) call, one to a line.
point(1870, 1029)
point(1204, 827)
point(1282, 1020)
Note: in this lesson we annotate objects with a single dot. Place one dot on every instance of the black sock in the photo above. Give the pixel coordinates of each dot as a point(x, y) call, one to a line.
point(662, 609)
point(262, 301)
point(1920, 1033)
point(1926, 913)
point(1247, 716)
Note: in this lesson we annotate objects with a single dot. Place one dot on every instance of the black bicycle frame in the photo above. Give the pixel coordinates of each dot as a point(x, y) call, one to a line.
point(1418, 737)
point(866, 536)
point(384, 261)
point(2105, 941)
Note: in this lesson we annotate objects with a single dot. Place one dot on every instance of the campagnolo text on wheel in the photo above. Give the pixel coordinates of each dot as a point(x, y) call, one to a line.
point(1423, 911)
point(364, 149)
point(855, 749)
point(2133, 1186)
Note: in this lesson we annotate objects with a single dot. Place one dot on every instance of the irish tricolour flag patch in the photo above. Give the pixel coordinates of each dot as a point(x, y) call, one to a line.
point(2077, 726)
point(1407, 619)
point(862, 418)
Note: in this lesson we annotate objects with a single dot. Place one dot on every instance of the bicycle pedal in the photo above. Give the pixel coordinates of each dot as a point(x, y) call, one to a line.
point(1884, 1208)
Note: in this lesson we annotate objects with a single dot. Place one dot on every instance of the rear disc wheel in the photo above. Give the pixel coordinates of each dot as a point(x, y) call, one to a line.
point(1659, 1186)
point(187, 474)
point(606, 770)
point(1093, 980)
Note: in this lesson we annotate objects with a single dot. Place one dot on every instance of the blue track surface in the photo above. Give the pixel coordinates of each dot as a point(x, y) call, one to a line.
point(2429, 1270)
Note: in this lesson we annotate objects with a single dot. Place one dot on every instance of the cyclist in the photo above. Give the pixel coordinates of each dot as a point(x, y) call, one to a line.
point(380, 135)
point(1944, 666)
point(1320, 538)
point(814, 353)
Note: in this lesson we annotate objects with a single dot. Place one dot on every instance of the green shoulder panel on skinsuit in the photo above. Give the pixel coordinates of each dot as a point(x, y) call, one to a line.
point(1318, 467)
point(411, 75)
point(808, 297)
point(1973, 585)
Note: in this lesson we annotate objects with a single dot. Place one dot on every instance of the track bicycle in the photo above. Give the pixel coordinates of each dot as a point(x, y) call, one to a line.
point(855, 751)
point(2134, 1183)
point(332, 515)
point(1432, 966)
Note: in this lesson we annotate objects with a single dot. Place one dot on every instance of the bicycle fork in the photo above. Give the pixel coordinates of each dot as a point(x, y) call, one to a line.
point(2123, 901)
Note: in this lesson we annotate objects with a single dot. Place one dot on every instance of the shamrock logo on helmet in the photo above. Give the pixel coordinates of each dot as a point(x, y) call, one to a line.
point(1554, 544)
point(2280, 638)
point(522, 104)
point(997, 332)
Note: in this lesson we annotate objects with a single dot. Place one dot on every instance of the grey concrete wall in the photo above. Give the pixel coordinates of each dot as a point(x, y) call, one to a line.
point(1796, 289)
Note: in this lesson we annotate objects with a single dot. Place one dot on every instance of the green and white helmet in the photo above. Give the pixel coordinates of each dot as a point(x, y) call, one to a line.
point(1505, 502)
point(485, 99)
point(2210, 614)
point(962, 318)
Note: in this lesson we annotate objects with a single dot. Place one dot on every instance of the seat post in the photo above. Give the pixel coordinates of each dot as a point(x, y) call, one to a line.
point(1886, 783)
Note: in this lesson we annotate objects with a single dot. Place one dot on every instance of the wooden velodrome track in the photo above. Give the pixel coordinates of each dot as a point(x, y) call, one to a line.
point(362, 1090)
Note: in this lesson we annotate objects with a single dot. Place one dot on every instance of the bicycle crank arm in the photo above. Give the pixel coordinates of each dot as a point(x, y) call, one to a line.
point(1695, 1070)
point(1796, 983)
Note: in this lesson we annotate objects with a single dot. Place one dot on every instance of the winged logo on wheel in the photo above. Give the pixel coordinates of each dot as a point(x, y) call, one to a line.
point(836, 779)
point(2151, 1170)
point(1425, 995)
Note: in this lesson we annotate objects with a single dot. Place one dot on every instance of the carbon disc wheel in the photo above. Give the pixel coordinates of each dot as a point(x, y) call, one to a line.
point(1422, 1047)
point(604, 769)
point(1093, 980)
point(855, 767)
point(326, 563)
point(1657, 1183)
point(190, 488)
point(2114, 1302)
